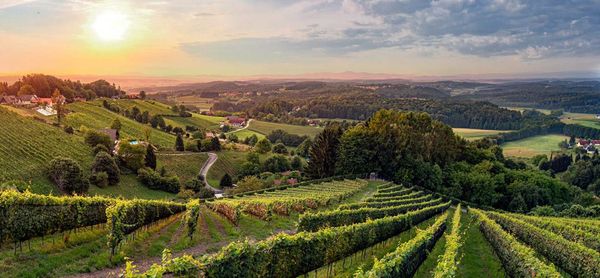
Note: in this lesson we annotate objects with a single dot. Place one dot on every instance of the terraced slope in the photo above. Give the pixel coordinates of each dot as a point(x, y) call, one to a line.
point(94, 116)
point(27, 146)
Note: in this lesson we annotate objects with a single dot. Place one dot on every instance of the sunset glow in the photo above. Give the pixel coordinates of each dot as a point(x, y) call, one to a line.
point(111, 26)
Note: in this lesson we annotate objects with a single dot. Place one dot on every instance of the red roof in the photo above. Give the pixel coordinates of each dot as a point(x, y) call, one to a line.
point(237, 121)
point(45, 99)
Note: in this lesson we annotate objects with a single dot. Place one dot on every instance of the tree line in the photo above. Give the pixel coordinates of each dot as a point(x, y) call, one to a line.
point(412, 148)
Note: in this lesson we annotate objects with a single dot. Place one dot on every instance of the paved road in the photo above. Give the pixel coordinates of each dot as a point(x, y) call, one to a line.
point(212, 158)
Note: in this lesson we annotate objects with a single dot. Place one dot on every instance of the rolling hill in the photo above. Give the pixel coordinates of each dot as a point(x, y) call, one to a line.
point(27, 146)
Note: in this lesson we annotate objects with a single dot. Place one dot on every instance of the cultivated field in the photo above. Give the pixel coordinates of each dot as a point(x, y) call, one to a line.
point(27, 146)
point(531, 146)
point(588, 120)
point(92, 115)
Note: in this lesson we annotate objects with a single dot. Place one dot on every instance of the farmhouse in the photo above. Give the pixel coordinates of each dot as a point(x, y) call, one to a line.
point(28, 99)
point(45, 101)
point(236, 121)
point(9, 100)
point(590, 146)
point(112, 133)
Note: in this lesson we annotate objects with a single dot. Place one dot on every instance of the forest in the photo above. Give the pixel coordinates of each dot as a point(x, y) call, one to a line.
point(43, 85)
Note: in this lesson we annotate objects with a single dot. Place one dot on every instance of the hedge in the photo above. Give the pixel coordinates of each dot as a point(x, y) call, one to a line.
point(191, 217)
point(391, 203)
point(315, 221)
point(27, 215)
point(517, 259)
point(573, 257)
point(406, 259)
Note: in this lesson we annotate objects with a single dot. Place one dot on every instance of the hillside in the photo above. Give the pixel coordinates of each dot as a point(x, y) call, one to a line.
point(26, 147)
point(93, 115)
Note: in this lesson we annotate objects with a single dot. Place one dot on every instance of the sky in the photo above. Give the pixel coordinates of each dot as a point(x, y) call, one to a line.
point(285, 37)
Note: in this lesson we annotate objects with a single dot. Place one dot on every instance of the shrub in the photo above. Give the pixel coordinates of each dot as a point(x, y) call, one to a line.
point(69, 129)
point(226, 181)
point(280, 148)
point(154, 180)
point(99, 148)
point(94, 138)
point(205, 193)
point(99, 179)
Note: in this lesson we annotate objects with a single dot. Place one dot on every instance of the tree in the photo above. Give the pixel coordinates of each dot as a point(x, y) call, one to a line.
point(67, 175)
point(251, 140)
point(179, 146)
point(26, 90)
point(248, 169)
point(116, 124)
point(215, 144)
point(253, 157)
point(248, 183)
point(324, 153)
point(94, 138)
point(276, 163)
point(100, 148)
point(263, 146)
point(150, 159)
point(133, 156)
point(103, 162)
point(143, 94)
point(304, 148)
point(233, 138)
point(296, 163)
point(226, 181)
point(357, 151)
point(58, 101)
point(280, 149)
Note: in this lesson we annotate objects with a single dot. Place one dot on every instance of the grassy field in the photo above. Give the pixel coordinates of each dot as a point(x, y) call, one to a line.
point(130, 188)
point(185, 165)
point(528, 147)
point(243, 134)
point(27, 146)
point(93, 115)
point(228, 162)
point(521, 109)
point(153, 107)
point(266, 128)
point(474, 134)
point(203, 121)
point(202, 103)
point(588, 120)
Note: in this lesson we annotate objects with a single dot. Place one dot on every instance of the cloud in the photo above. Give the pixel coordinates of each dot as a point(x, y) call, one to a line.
point(530, 29)
point(12, 3)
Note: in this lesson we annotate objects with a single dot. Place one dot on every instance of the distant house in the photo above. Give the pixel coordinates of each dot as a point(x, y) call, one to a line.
point(79, 99)
point(45, 101)
point(112, 133)
point(590, 146)
point(28, 99)
point(9, 100)
point(133, 96)
point(236, 121)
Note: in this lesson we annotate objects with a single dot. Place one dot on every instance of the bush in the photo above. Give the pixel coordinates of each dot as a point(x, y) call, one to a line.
point(99, 179)
point(94, 138)
point(67, 175)
point(99, 148)
point(193, 184)
point(69, 129)
point(543, 211)
point(205, 193)
point(280, 149)
point(226, 181)
point(154, 180)
point(276, 163)
point(263, 146)
point(133, 156)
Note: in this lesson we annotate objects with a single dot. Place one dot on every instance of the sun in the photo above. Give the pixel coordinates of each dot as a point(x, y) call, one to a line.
point(111, 25)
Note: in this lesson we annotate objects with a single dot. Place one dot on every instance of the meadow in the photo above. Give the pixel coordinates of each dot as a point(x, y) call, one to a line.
point(589, 120)
point(267, 127)
point(474, 134)
point(531, 146)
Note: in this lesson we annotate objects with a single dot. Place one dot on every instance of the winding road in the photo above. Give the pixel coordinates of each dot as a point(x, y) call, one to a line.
point(212, 158)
